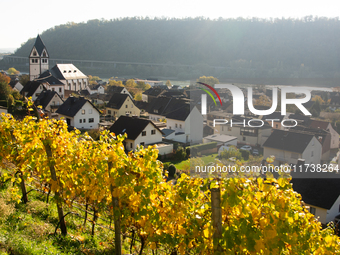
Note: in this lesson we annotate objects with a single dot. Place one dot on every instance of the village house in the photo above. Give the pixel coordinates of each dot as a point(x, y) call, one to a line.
point(32, 89)
point(121, 105)
point(79, 113)
point(322, 196)
point(16, 85)
point(290, 146)
point(184, 125)
point(52, 83)
point(159, 107)
point(275, 119)
point(49, 101)
point(152, 93)
point(117, 89)
point(253, 136)
point(95, 89)
point(323, 136)
point(140, 132)
point(328, 127)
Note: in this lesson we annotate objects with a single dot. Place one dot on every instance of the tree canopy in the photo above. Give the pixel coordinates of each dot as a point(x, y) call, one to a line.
point(253, 47)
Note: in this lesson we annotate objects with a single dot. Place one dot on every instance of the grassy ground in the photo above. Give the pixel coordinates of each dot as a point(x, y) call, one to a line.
point(29, 229)
point(185, 163)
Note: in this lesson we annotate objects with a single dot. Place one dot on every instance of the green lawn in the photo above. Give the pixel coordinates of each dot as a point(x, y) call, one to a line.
point(181, 164)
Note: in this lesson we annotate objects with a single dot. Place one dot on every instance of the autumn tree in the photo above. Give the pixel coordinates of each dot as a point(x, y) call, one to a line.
point(93, 79)
point(12, 71)
point(319, 99)
point(210, 80)
point(263, 100)
point(138, 96)
point(168, 84)
point(113, 82)
point(130, 83)
point(5, 89)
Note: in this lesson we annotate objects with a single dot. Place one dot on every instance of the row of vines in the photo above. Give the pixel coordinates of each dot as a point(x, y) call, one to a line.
point(256, 215)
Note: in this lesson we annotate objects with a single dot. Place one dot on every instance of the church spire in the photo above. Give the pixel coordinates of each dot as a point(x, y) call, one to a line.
point(38, 59)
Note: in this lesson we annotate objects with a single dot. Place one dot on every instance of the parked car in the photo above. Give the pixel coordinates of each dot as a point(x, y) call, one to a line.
point(255, 152)
point(246, 148)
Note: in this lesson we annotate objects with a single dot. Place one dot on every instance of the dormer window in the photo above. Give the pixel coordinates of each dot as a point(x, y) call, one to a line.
point(69, 71)
point(44, 54)
point(75, 71)
point(64, 71)
point(35, 53)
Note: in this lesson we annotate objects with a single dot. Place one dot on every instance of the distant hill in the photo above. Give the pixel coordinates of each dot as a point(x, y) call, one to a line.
point(246, 48)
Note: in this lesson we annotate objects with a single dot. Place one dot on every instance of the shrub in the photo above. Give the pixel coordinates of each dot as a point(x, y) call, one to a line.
point(180, 153)
point(166, 165)
point(232, 152)
point(172, 171)
point(245, 154)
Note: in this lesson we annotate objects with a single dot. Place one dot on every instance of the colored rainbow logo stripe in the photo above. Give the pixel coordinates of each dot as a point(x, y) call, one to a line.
point(213, 90)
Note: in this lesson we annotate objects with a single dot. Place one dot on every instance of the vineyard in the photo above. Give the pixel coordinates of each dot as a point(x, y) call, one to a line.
point(190, 216)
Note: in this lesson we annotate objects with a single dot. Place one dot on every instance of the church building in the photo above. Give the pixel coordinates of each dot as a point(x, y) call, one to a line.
point(59, 78)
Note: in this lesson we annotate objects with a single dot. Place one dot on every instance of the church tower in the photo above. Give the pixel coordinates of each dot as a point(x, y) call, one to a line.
point(38, 59)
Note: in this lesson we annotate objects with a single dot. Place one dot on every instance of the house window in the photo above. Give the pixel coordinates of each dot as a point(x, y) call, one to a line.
point(80, 121)
point(142, 144)
point(131, 145)
point(52, 89)
point(144, 133)
point(126, 106)
point(153, 131)
point(36, 60)
point(83, 112)
point(248, 131)
point(277, 126)
point(176, 125)
point(91, 120)
point(295, 155)
point(32, 60)
point(244, 138)
point(84, 120)
point(90, 111)
point(312, 210)
point(60, 90)
point(109, 112)
point(180, 125)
